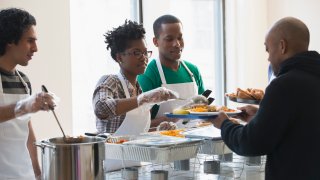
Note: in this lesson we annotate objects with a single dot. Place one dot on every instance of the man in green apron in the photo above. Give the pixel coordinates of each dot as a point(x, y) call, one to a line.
point(168, 70)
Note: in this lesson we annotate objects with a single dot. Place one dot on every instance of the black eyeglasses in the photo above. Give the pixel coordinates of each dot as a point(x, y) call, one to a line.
point(139, 54)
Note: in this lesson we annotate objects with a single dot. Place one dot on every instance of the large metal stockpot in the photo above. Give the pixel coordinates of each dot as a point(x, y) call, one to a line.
point(73, 161)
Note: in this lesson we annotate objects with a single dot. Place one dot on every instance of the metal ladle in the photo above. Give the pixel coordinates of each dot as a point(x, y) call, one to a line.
point(44, 89)
point(66, 139)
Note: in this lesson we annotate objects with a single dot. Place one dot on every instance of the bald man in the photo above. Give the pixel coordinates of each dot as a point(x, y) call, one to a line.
point(286, 127)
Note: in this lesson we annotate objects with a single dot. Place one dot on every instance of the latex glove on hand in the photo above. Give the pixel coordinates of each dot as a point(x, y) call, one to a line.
point(156, 96)
point(39, 101)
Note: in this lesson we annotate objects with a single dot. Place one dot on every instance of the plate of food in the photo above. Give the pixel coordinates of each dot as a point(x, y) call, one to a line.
point(190, 116)
point(248, 96)
point(216, 113)
point(201, 112)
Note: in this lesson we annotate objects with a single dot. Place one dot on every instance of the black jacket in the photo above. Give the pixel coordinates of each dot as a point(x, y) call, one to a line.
point(286, 127)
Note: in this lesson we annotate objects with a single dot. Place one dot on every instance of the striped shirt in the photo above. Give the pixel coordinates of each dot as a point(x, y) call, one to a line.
point(12, 84)
point(106, 93)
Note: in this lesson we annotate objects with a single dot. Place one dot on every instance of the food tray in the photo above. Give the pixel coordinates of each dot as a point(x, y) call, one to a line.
point(212, 141)
point(246, 101)
point(191, 116)
point(207, 132)
point(161, 141)
point(152, 154)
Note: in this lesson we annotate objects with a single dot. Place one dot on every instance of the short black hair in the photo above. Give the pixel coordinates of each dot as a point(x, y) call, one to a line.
point(118, 39)
point(165, 19)
point(13, 23)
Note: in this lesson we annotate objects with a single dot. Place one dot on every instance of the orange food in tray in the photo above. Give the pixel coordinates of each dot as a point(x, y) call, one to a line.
point(175, 133)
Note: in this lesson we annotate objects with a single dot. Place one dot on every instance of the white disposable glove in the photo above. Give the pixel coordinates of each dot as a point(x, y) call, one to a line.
point(39, 101)
point(156, 96)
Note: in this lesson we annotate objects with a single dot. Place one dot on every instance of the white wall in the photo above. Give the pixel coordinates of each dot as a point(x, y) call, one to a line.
point(247, 23)
point(51, 64)
point(307, 11)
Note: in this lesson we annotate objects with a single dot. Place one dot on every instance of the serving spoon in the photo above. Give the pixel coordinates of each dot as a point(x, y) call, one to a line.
point(66, 139)
point(44, 89)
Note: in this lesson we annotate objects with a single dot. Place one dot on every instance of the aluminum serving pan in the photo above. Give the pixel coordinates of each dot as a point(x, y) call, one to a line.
point(157, 153)
point(212, 141)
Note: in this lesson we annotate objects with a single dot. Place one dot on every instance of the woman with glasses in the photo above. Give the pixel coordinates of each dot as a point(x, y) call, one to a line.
point(119, 104)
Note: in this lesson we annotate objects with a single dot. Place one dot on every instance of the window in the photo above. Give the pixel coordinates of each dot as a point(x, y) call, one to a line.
point(90, 60)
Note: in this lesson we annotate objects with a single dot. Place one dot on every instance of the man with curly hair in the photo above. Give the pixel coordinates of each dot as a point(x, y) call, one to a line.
point(18, 155)
point(119, 104)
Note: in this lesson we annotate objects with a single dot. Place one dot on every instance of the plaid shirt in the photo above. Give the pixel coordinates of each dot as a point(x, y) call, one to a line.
point(106, 93)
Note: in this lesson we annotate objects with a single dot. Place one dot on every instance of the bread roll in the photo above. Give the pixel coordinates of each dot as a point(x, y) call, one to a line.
point(257, 94)
point(244, 94)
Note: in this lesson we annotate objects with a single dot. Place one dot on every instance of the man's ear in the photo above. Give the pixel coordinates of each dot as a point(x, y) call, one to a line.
point(283, 46)
point(9, 45)
point(155, 41)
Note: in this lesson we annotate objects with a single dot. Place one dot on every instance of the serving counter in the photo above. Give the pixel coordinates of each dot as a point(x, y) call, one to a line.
point(158, 149)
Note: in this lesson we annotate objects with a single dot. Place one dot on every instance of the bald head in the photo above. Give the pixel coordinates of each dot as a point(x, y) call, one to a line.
point(286, 38)
point(294, 32)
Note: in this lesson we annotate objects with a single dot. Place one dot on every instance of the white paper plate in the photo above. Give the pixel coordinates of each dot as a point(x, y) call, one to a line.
point(216, 113)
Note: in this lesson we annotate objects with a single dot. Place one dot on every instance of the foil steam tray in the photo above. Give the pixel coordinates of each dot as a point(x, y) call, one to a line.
point(152, 154)
point(212, 142)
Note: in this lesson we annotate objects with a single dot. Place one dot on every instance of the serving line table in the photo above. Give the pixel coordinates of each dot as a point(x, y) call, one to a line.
point(204, 146)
